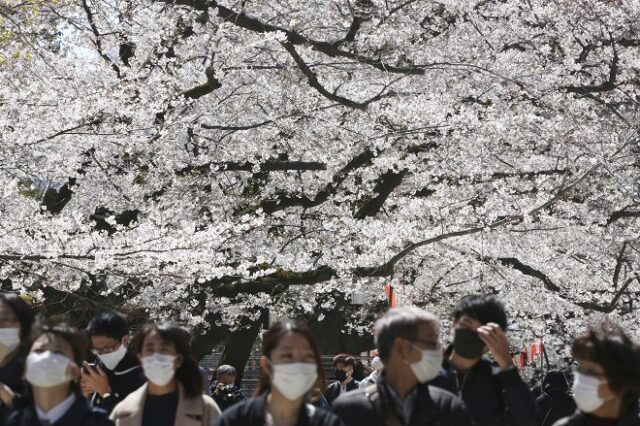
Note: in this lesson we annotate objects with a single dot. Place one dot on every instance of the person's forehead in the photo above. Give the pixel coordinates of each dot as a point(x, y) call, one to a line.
point(427, 331)
point(590, 365)
point(52, 340)
point(293, 341)
point(468, 320)
point(103, 341)
point(155, 338)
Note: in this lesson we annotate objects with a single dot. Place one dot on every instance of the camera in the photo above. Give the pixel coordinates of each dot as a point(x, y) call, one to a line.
point(228, 392)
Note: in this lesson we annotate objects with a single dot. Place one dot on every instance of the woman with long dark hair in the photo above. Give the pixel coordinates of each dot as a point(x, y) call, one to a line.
point(16, 319)
point(52, 371)
point(290, 369)
point(173, 394)
point(606, 383)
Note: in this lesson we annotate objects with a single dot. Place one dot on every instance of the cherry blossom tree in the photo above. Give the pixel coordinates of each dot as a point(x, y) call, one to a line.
point(205, 161)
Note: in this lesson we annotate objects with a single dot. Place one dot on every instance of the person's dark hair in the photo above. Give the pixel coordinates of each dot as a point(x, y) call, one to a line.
point(403, 323)
point(345, 359)
point(555, 380)
point(225, 370)
point(76, 338)
point(484, 308)
point(188, 374)
point(358, 371)
point(607, 345)
point(110, 324)
point(23, 312)
point(270, 341)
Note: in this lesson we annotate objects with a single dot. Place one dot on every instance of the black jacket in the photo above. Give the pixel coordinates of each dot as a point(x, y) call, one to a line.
point(554, 405)
point(581, 419)
point(226, 399)
point(333, 390)
point(11, 375)
point(81, 413)
point(433, 407)
point(251, 412)
point(493, 397)
point(124, 379)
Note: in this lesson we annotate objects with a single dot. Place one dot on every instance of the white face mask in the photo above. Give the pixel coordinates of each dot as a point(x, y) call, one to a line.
point(9, 340)
point(429, 365)
point(112, 359)
point(47, 369)
point(159, 368)
point(295, 379)
point(585, 392)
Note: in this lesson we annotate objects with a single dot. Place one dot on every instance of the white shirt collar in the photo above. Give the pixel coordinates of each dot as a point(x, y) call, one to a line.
point(58, 411)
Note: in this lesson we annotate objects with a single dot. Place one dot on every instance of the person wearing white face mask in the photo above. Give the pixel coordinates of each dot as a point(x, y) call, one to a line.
point(172, 395)
point(118, 371)
point(52, 371)
point(407, 341)
point(16, 319)
point(290, 369)
point(606, 384)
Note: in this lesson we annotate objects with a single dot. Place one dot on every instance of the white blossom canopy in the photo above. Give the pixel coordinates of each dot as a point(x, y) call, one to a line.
point(197, 157)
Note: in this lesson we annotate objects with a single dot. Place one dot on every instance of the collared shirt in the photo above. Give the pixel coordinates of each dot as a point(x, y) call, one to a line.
point(58, 411)
point(404, 407)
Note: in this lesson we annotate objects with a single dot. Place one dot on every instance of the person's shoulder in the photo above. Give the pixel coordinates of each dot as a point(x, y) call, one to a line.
point(567, 421)
point(357, 396)
point(444, 399)
point(84, 413)
point(97, 417)
point(210, 404)
point(132, 402)
point(440, 394)
point(320, 417)
point(244, 409)
point(16, 417)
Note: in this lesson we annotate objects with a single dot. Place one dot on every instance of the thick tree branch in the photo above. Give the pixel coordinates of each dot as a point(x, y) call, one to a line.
point(605, 86)
point(266, 166)
point(528, 270)
point(205, 88)
point(97, 41)
point(386, 184)
point(622, 214)
point(242, 20)
point(312, 79)
point(271, 205)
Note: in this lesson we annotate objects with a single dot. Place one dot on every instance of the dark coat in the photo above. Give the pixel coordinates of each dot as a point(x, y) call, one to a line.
point(123, 380)
point(81, 413)
point(434, 407)
point(251, 412)
point(581, 419)
point(333, 390)
point(493, 397)
point(11, 373)
point(554, 405)
point(222, 400)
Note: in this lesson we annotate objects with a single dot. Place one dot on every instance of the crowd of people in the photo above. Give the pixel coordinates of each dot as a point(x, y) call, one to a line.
point(154, 379)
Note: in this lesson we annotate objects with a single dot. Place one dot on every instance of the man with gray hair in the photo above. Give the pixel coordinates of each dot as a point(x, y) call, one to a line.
point(407, 341)
point(224, 390)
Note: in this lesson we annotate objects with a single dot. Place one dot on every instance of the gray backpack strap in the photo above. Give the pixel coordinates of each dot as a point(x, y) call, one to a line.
point(373, 395)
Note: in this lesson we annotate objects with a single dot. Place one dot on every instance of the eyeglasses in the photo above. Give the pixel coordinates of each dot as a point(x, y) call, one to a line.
point(105, 350)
